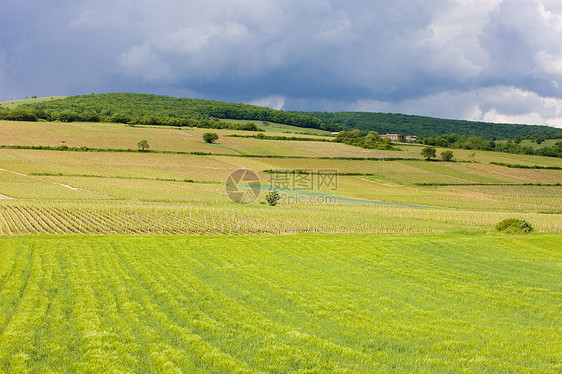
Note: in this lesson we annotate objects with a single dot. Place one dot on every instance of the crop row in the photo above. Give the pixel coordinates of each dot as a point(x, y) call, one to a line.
point(82, 218)
point(136, 218)
point(541, 222)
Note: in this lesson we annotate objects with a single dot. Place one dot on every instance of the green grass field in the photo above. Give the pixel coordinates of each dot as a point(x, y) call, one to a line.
point(285, 304)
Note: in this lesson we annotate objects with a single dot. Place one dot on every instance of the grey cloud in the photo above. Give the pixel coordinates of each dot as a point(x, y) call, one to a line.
point(305, 55)
point(318, 43)
point(522, 39)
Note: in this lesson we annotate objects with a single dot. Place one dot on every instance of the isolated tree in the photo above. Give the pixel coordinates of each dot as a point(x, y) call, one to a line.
point(447, 155)
point(428, 152)
point(401, 138)
point(210, 137)
point(143, 145)
point(272, 197)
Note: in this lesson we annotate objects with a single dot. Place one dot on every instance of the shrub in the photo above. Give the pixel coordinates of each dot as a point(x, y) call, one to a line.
point(447, 155)
point(210, 137)
point(514, 225)
point(272, 198)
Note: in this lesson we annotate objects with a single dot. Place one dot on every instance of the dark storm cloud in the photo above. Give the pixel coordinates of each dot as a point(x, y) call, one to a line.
point(477, 58)
point(315, 49)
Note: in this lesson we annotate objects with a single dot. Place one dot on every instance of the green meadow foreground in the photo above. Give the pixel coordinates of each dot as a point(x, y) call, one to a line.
point(116, 260)
point(311, 303)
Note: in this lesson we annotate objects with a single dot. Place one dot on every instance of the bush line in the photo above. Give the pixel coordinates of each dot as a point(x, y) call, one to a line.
point(519, 166)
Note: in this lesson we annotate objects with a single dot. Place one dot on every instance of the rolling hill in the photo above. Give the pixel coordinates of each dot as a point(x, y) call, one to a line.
point(164, 110)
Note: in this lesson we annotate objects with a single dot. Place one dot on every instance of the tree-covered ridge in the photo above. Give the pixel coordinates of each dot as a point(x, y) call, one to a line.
point(148, 109)
point(432, 127)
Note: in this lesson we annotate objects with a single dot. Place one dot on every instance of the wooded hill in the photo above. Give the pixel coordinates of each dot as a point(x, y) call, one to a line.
point(432, 127)
point(144, 109)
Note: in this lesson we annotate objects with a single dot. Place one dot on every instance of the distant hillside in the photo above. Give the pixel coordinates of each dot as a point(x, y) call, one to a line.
point(432, 127)
point(144, 109)
point(154, 110)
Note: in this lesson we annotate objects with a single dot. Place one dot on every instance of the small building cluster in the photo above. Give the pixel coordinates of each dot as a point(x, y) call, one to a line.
point(392, 137)
point(395, 138)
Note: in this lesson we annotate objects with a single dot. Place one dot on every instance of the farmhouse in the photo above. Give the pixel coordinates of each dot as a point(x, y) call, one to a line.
point(396, 138)
point(393, 137)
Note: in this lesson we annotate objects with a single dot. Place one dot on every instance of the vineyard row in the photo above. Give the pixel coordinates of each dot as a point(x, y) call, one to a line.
point(70, 218)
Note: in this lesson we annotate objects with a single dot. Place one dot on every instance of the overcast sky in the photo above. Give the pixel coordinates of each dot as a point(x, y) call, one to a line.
point(491, 60)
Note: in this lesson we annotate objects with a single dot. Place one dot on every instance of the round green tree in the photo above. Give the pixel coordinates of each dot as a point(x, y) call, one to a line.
point(210, 137)
point(429, 152)
point(447, 155)
point(143, 145)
